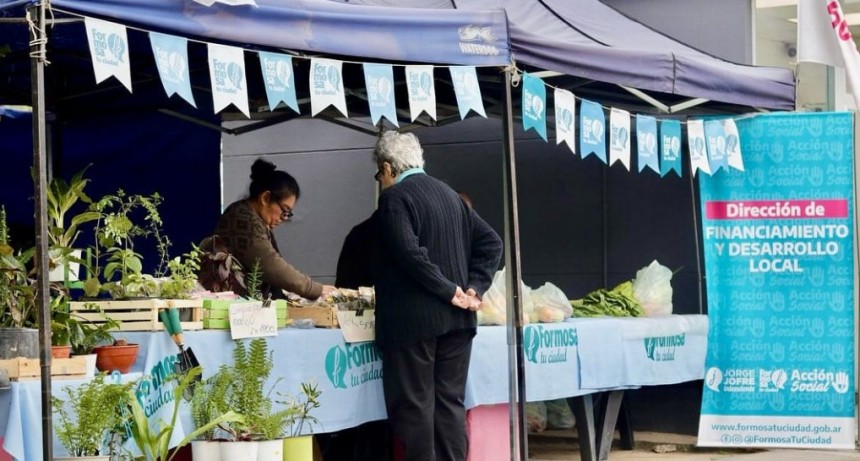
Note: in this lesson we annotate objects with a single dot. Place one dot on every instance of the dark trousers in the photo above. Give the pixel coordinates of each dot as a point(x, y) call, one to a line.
point(425, 384)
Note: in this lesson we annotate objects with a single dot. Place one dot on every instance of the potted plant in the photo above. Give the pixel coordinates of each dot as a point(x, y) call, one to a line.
point(115, 231)
point(85, 336)
point(208, 402)
point(62, 197)
point(219, 270)
point(299, 446)
point(87, 416)
point(183, 275)
point(154, 442)
point(18, 336)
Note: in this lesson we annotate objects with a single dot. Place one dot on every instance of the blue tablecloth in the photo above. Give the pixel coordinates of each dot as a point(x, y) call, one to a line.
point(577, 357)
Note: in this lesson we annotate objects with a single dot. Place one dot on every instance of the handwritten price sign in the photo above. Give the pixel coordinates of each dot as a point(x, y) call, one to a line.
point(252, 320)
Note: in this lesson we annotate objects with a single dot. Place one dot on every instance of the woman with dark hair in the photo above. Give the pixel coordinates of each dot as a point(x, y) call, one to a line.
point(245, 228)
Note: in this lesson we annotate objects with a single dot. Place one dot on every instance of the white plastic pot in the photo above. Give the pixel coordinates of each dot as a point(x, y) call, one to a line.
point(233, 451)
point(270, 450)
point(205, 450)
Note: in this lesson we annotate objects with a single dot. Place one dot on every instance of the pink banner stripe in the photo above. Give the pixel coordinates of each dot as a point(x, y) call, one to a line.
point(777, 209)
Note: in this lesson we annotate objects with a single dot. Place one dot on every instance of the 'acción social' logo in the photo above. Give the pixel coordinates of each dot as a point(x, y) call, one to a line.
point(352, 365)
point(544, 345)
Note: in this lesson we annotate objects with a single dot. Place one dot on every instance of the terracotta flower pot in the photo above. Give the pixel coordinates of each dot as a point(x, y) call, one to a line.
point(120, 358)
point(61, 352)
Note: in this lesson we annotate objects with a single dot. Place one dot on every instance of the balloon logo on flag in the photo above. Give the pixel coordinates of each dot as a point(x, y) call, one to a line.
point(117, 46)
point(235, 74)
point(675, 146)
point(566, 119)
point(283, 71)
point(648, 142)
point(176, 65)
point(426, 84)
point(621, 137)
point(596, 129)
point(333, 78)
point(384, 88)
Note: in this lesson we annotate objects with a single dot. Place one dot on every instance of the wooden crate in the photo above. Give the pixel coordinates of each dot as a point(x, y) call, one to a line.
point(216, 313)
point(23, 369)
point(323, 316)
point(140, 315)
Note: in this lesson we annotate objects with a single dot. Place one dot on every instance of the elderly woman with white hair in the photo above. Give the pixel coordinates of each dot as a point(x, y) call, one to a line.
point(433, 259)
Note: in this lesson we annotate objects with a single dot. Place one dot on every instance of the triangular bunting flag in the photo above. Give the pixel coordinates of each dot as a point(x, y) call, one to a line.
point(619, 137)
point(467, 90)
point(279, 79)
point(698, 147)
point(422, 92)
point(646, 143)
point(171, 58)
point(109, 50)
point(565, 118)
point(327, 86)
point(379, 79)
point(227, 73)
point(592, 130)
point(534, 104)
point(733, 144)
point(670, 147)
point(715, 136)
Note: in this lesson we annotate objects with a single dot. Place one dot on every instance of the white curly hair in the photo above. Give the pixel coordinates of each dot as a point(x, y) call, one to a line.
point(402, 151)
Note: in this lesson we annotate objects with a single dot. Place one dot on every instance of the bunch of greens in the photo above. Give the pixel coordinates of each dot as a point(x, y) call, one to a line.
point(617, 302)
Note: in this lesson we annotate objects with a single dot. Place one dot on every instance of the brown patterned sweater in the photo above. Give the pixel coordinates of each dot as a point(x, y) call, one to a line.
point(249, 239)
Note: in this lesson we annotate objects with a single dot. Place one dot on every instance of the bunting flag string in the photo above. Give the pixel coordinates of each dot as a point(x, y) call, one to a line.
point(713, 144)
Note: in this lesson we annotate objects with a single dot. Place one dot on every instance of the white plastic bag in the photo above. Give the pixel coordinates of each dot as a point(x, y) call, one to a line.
point(549, 295)
point(494, 302)
point(652, 287)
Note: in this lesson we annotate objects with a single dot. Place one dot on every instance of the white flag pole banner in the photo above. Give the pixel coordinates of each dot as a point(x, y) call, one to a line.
point(171, 58)
point(698, 149)
point(619, 137)
point(467, 90)
point(327, 86)
point(822, 29)
point(815, 41)
point(109, 50)
point(422, 92)
point(565, 118)
point(733, 144)
point(227, 72)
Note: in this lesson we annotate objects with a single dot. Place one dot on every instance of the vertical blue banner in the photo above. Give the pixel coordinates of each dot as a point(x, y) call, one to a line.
point(379, 79)
point(670, 147)
point(592, 130)
point(534, 104)
point(646, 143)
point(279, 78)
point(779, 258)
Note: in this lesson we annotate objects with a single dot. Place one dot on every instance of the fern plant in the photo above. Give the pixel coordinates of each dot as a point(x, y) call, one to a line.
point(254, 281)
point(247, 395)
point(209, 401)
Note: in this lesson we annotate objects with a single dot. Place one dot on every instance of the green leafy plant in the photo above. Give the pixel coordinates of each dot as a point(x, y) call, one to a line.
point(255, 281)
point(85, 336)
point(62, 197)
point(115, 233)
point(300, 408)
point(251, 369)
point(154, 444)
point(17, 292)
point(183, 275)
point(209, 401)
point(90, 411)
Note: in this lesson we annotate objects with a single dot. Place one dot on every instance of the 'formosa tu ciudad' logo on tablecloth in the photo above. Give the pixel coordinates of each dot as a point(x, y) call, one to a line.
point(544, 345)
point(352, 365)
point(662, 348)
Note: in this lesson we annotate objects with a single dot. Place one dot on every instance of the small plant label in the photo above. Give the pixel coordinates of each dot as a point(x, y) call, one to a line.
point(357, 328)
point(252, 320)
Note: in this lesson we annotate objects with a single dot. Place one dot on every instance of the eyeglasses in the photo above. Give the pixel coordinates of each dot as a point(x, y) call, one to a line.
point(286, 212)
point(378, 174)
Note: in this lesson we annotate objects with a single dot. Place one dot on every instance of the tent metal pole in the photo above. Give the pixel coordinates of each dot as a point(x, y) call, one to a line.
point(516, 359)
point(38, 42)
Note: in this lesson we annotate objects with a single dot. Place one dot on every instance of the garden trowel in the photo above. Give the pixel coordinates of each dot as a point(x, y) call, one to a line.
point(185, 359)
